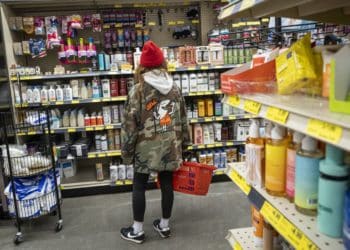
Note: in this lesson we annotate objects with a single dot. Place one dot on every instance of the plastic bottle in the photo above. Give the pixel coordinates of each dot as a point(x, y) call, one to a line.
point(137, 56)
point(211, 83)
point(83, 91)
point(206, 134)
point(193, 82)
point(117, 139)
point(80, 119)
point(177, 80)
point(113, 172)
point(106, 88)
point(89, 90)
point(29, 95)
point(275, 162)
point(185, 83)
point(36, 95)
point(209, 107)
point(201, 108)
point(95, 89)
point(52, 94)
point(211, 134)
point(306, 176)
point(205, 81)
point(68, 93)
point(200, 82)
point(101, 61)
point(198, 134)
point(292, 149)
point(44, 95)
point(74, 84)
point(258, 225)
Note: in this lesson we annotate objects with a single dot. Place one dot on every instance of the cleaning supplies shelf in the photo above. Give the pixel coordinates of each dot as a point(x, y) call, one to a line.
point(298, 229)
point(216, 145)
point(202, 67)
point(220, 118)
point(304, 114)
point(74, 102)
point(241, 238)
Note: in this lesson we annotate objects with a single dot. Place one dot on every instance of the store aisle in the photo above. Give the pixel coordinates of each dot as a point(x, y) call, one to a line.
point(93, 222)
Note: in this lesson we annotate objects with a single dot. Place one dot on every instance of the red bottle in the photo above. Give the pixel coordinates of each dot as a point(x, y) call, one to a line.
point(114, 87)
point(123, 87)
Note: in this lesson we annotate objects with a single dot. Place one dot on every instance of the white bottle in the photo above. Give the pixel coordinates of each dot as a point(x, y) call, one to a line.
point(52, 94)
point(205, 82)
point(199, 82)
point(74, 84)
point(59, 93)
point(106, 88)
point(83, 91)
point(193, 82)
point(177, 80)
point(121, 172)
point(185, 84)
point(68, 93)
point(44, 95)
point(36, 95)
point(137, 56)
point(80, 118)
point(211, 134)
point(206, 134)
point(113, 172)
point(29, 95)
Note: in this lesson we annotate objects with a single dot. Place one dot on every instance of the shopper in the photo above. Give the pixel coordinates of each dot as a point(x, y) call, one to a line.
point(154, 130)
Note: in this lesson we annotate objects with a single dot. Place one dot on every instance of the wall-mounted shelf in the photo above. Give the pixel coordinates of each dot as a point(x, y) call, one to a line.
point(241, 239)
point(220, 118)
point(216, 145)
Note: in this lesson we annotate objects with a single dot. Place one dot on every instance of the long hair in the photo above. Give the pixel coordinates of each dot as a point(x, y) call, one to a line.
point(140, 70)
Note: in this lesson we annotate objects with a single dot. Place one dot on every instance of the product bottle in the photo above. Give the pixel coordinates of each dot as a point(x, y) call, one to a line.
point(211, 76)
point(36, 95)
point(332, 186)
point(185, 84)
point(258, 225)
point(106, 88)
point(89, 90)
point(74, 84)
point(198, 134)
point(44, 95)
point(255, 155)
point(267, 236)
point(107, 61)
point(290, 174)
point(101, 61)
point(211, 134)
point(81, 119)
point(193, 82)
point(83, 91)
point(59, 93)
point(29, 95)
point(199, 82)
point(95, 89)
point(206, 134)
point(52, 94)
point(201, 108)
point(205, 82)
point(306, 176)
point(177, 80)
point(68, 93)
point(137, 56)
point(209, 107)
point(275, 162)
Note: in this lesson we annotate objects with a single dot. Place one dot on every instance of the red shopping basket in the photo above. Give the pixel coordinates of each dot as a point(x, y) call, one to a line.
point(192, 178)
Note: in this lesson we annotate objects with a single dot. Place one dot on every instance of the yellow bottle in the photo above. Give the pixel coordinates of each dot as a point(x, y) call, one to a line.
point(275, 162)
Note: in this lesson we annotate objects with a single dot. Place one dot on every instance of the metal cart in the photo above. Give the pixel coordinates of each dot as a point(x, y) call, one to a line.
point(33, 189)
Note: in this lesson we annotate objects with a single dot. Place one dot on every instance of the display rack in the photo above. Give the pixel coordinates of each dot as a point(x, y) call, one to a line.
point(241, 238)
point(305, 114)
point(298, 229)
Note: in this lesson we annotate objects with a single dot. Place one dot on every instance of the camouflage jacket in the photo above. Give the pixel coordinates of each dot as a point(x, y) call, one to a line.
point(154, 128)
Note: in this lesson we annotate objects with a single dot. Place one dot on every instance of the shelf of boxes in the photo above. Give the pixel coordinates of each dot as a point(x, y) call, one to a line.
point(298, 229)
point(308, 115)
point(241, 239)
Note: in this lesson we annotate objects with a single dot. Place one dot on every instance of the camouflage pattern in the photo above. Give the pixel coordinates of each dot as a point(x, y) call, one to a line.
point(154, 129)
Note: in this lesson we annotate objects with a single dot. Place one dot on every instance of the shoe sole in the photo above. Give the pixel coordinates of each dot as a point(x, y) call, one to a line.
point(132, 240)
point(160, 233)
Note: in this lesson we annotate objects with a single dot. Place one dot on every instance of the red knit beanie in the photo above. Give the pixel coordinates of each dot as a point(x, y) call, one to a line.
point(151, 56)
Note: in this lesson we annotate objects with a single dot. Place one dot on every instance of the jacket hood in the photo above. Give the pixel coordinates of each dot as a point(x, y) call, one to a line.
point(159, 80)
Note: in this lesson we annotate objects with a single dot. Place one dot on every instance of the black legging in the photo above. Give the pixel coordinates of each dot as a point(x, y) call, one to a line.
point(138, 194)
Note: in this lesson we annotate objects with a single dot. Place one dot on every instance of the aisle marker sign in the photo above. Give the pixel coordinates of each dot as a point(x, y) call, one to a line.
point(234, 100)
point(324, 130)
point(240, 182)
point(252, 107)
point(277, 115)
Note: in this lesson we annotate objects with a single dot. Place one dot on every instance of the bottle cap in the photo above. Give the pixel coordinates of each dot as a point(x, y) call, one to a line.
point(297, 137)
point(254, 129)
point(277, 133)
point(332, 169)
point(334, 155)
point(309, 144)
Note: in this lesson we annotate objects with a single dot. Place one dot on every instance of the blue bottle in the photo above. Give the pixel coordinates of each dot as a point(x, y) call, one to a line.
point(346, 224)
point(101, 61)
point(332, 185)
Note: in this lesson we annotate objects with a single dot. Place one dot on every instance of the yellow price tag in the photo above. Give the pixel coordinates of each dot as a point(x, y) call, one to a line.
point(191, 68)
point(204, 67)
point(226, 12)
point(126, 67)
point(210, 145)
point(252, 107)
point(190, 147)
point(151, 23)
point(234, 100)
point(218, 144)
point(119, 183)
point(96, 100)
point(208, 119)
point(171, 67)
point(277, 115)
point(31, 133)
point(237, 246)
point(208, 93)
point(116, 153)
point(118, 25)
point(106, 99)
point(229, 143)
point(109, 127)
point(171, 23)
point(218, 91)
point(220, 118)
point(324, 130)
point(61, 187)
point(75, 101)
point(240, 182)
point(232, 117)
point(72, 130)
point(91, 155)
point(193, 120)
point(99, 128)
point(101, 155)
point(195, 21)
point(59, 103)
point(180, 22)
point(201, 146)
point(221, 172)
point(271, 214)
point(128, 182)
point(139, 25)
point(89, 128)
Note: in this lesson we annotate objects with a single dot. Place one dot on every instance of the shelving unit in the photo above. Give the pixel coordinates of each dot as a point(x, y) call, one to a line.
point(291, 111)
point(298, 229)
point(220, 118)
point(216, 145)
point(241, 238)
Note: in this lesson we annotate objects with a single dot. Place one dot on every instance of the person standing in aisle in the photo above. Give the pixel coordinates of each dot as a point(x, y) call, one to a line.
point(154, 130)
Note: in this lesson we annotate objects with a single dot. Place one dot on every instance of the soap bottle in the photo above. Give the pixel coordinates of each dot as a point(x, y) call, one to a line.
point(83, 91)
point(177, 80)
point(68, 93)
point(206, 134)
point(198, 134)
point(293, 146)
point(306, 176)
point(193, 82)
point(205, 82)
point(275, 162)
point(332, 187)
point(36, 95)
point(29, 95)
point(258, 226)
point(95, 89)
point(59, 93)
point(44, 95)
point(185, 84)
point(137, 56)
point(89, 90)
point(52, 94)
point(255, 155)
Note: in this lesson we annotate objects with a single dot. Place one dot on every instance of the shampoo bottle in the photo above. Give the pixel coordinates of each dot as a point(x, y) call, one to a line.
point(198, 134)
point(59, 93)
point(206, 134)
point(258, 227)
point(332, 186)
point(52, 94)
point(306, 176)
point(193, 82)
point(44, 95)
point(290, 174)
point(36, 95)
point(275, 162)
point(185, 84)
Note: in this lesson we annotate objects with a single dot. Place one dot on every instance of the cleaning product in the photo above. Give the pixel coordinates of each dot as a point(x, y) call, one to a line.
point(193, 82)
point(44, 95)
point(275, 162)
point(52, 94)
point(36, 95)
point(106, 90)
point(332, 186)
point(290, 172)
point(258, 225)
point(255, 155)
point(306, 176)
point(137, 56)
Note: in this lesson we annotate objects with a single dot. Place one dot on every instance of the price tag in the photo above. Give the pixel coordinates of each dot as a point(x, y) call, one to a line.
point(119, 183)
point(118, 25)
point(201, 146)
point(218, 144)
point(190, 147)
point(220, 118)
point(229, 143)
point(126, 67)
point(20, 134)
point(96, 100)
point(234, 100)
point(195, 21)
point(210, 145)
point(237, 246)
point(61, 187)
point(99, 128)
point(72, 130)
point(324, 130)
point(221, 172)
point(232, 117)
point(191, 68)
point(128, 182)
point(171, 67)
point(240, 182)
point(208, 93)
point(271, 214)
point(89, 128)
point(139, 25)
point(218, 92)
point(101, 155)
point(109, 127)
point(277, 115)
point(171, 23)
point(75, 101)
point(59, 103)
point(91, 155)
point(151, 23)
point(204, 67)
point(194, 120)
point(208, 119)
point(180, 22)
point(116, 153)
point(106, 99)
point(252, 107)
point(31, 133)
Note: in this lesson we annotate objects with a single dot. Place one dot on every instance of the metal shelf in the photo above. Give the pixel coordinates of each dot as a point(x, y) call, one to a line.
point(216, 145)
point(326, 11)
point(202, 93)
point(298, 229)
point(305, 114)
point(110, 153)
point(74, 102)
point(203, 67)
point(220, 118)
point(241, 239)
